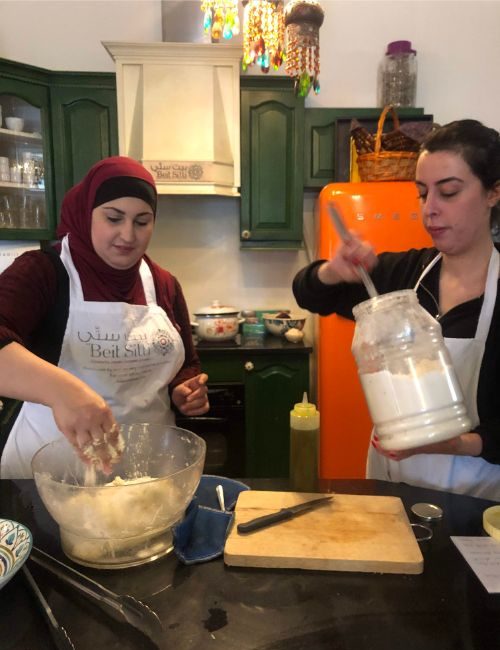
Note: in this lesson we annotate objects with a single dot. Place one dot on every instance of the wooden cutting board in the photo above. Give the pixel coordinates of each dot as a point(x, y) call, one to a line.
point(348, 533)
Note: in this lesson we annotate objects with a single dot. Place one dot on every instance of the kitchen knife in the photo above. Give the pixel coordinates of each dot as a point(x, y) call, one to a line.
point(280, 515)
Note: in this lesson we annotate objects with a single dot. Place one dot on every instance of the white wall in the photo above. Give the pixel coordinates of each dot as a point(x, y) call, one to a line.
point(458, 53)
point(198, 238)
point(67, 34)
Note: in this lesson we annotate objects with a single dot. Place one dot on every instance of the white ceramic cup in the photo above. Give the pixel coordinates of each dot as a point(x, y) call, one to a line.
point(14, 123)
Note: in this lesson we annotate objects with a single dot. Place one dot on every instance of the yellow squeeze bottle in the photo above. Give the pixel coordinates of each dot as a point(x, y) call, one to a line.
point(304, 447)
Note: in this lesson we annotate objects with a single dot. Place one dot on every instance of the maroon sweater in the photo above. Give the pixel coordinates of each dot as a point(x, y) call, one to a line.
point(34, 306)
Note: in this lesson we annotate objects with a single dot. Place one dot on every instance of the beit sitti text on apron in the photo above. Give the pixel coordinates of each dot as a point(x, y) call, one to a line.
point(122, 355)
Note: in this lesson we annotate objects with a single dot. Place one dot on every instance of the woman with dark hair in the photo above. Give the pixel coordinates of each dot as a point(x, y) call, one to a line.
point(458, 181)
point(92, 332)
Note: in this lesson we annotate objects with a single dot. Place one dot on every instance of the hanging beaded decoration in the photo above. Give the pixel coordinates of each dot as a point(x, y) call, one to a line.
point(303, 18)
point(263, 34)
point(220, 18)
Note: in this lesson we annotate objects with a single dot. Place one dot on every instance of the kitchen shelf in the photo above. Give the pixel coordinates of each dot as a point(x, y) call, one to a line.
point(21, 186)
point(21, 134)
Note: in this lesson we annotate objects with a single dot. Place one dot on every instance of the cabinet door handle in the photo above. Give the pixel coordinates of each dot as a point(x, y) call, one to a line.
point(246, 234)
point(249, 366)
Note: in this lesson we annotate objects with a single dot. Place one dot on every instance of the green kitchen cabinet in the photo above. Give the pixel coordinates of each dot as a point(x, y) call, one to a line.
point(272, 154)
point(327, 140)
point(273, 380)
point(26, 163)
point(84, 125)
point(272, 387)
point(68, 122)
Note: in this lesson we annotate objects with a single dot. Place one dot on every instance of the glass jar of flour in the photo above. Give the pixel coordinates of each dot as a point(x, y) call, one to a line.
point(408, 379)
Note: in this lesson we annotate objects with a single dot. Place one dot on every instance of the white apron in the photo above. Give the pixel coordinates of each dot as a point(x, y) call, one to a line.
point(127, 353)
point(459, 474)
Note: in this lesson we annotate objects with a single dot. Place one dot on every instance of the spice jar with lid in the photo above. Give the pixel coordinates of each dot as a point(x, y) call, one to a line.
point(408, 379)
point(398, 75)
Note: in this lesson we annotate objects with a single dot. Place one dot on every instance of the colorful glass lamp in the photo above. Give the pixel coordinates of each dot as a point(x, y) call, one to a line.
point(220, 18)
point(263, 34)
point(303, 18)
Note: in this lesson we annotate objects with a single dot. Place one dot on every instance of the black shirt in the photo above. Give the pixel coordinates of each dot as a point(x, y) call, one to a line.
point(397, 271)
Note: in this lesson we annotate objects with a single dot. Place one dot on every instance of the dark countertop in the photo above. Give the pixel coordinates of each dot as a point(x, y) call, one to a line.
point(262, 344)
point(213, 606)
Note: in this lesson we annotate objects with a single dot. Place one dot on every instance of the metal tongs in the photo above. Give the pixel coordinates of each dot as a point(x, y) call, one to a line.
point(57, 631)
point(122, 608)
point(344, 235)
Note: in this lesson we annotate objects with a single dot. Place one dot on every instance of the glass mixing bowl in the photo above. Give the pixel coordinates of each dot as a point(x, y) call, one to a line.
point(123, 519)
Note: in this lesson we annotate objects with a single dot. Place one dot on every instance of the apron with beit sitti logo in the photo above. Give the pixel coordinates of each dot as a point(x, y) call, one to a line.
point(127, 353)
point(460, 474)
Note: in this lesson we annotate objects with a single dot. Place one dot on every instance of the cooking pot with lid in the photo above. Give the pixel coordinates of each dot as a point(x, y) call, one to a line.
point(217, 322)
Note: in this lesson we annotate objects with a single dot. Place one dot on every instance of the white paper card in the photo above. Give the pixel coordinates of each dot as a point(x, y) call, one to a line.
point(9, 250)
point(483, 556)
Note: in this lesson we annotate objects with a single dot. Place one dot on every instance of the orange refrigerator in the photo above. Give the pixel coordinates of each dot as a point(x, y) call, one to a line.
point(388, 215)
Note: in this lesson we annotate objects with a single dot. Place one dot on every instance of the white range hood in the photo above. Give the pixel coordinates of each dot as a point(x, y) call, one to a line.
point(179, 113)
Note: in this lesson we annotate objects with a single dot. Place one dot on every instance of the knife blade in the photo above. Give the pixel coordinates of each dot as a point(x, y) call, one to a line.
point(280, 515)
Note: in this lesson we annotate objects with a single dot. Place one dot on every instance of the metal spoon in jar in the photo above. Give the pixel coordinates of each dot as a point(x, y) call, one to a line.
point(344, 235)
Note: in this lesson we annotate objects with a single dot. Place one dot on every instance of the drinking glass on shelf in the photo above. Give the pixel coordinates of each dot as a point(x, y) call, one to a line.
point(4, 169)
point(38, 216)
point(15, 173)
point(39, 174)
point(6, 219)
point(28, 170)
point(25, 212)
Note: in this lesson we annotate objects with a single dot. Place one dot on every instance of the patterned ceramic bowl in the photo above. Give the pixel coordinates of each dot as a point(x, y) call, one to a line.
point(278, 326)
point(15, 546)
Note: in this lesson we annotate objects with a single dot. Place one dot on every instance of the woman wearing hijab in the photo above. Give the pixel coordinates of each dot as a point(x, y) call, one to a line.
point(92, 332)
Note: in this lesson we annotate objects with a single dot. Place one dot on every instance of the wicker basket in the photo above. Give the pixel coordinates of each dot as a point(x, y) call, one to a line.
point(379, 165)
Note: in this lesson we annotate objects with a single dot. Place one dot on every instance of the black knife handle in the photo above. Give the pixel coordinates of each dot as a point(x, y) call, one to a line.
point(265, 520)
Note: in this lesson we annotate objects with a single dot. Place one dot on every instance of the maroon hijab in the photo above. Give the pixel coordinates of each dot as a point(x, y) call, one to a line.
point(100, 282)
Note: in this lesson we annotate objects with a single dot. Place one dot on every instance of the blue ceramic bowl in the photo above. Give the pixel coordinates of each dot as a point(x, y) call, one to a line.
point(15, 546)
point(278, 326)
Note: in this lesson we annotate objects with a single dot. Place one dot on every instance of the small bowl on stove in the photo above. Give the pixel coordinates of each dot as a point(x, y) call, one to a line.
point(281, 322)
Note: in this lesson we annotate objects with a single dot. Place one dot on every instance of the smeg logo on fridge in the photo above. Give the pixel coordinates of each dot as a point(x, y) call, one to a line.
point(116, 345)
point(391, 216)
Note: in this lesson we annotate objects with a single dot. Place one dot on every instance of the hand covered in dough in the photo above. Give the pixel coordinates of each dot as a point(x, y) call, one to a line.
point(348, 256)
point(86, 420)
point(191, 397)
